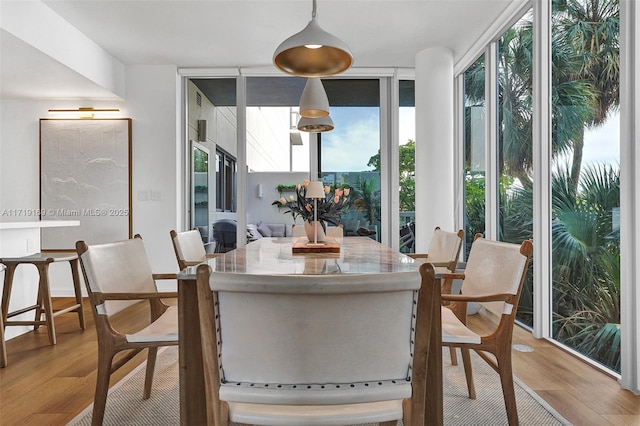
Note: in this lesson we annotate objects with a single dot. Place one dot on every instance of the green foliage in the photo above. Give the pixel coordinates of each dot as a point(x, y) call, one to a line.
point(585, 242)
point(281, 188)
point(366, 199)
point(407, 168)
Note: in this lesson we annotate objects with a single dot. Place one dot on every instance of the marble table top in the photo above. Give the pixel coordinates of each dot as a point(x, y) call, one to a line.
point(361, 262)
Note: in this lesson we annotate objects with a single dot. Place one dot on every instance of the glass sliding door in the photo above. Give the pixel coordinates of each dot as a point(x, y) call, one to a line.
point(586, 178)
point(212, 121)
point(407, 165)
point(515, 151)
point(350, 154)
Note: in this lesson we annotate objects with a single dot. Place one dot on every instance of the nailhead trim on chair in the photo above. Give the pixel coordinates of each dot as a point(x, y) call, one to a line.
point(320, 386)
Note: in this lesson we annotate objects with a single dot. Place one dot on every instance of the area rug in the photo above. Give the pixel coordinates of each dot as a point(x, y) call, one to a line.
point(125, 405)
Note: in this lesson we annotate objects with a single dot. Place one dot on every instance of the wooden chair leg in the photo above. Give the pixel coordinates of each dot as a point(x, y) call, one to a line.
point(46, 301)
point(39, 309)
point(224, 413)
point(151, 366)
point(454, 356)
point(6, 289)
point(468, 372)
point(3, 345)
point(102, 387)
point(78, 291)
point(508, 390)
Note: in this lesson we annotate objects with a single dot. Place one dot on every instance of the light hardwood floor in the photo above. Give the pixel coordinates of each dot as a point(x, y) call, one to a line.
point(50, 385)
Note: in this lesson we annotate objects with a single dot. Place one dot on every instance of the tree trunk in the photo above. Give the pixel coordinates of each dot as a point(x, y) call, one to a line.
point(576, 164)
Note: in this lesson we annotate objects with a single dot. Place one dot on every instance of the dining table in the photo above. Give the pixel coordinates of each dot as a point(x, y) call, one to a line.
point(265, 260)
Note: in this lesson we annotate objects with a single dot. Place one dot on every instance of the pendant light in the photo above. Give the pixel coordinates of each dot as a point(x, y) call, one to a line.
point(314, 102)
point(313, 52)
point(315, 125)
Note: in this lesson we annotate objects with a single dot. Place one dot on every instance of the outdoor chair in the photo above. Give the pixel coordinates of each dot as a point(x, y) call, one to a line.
point(282, 355)
point(189, 248)
point(118, 275)
point(493, 277)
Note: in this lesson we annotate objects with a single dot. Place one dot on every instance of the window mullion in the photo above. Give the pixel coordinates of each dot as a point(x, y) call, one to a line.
point(542, 162)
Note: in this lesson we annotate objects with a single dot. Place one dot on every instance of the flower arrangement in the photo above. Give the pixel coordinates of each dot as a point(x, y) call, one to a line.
point(329, 208)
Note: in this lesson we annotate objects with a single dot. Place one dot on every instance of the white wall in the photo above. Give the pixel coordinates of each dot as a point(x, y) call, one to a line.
point(259, 209)
point(152, 105)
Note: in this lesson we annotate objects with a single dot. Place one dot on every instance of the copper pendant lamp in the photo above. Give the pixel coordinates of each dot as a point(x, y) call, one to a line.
point(313, 52)
point(314, 102)
point(315, 125)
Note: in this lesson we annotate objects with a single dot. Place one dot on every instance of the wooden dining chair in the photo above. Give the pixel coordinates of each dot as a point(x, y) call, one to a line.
point(189, 248)
point(444, 251)
point(493, 277)
point(118, 275)
point(323, 354)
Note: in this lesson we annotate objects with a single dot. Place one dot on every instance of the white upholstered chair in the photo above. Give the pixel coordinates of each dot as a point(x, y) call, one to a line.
point(189, 249)
point(493, 277)
point(117, 276)
point(328, 353)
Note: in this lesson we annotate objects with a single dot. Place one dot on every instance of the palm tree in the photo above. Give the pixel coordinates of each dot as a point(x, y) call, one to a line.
point(586, 262)
point(591, 28)
point(367, 199)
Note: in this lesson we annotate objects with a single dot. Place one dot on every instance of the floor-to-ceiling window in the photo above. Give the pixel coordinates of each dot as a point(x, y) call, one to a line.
point(586, 178)
point(474, 151)
point(515, 149)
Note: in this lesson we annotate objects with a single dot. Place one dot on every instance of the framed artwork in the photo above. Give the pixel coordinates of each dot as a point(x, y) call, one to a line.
point(85, 175)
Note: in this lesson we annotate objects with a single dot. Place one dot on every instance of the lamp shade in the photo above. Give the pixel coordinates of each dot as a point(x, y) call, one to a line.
point(315, 125)
point(313, 52)
point(315, 189)
point(314, 102)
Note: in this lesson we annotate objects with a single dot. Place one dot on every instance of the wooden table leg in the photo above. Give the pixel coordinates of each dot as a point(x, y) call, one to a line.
point(192, 391)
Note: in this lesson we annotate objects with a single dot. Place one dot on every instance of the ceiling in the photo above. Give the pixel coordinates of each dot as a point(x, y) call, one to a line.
point(240, 33)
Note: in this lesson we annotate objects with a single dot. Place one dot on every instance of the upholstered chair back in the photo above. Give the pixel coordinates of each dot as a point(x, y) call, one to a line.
point(318, 342)
point(494, 267)
point(188, 247)
point(120, 267)
point(445, 247)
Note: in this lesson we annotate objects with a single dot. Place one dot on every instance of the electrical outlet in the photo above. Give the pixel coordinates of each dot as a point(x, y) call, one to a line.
point(156, 195)
point(144, 195)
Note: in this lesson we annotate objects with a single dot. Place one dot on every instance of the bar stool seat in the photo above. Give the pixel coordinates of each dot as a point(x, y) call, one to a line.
point(43, 305)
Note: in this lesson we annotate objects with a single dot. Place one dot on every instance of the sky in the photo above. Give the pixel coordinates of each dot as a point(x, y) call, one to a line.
point(356, 138)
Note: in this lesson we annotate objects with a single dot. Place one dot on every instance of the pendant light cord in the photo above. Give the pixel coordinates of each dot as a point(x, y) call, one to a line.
point(313, 11)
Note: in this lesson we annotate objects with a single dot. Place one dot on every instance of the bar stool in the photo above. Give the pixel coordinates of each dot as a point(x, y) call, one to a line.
point(3, 346)
point(43, 304)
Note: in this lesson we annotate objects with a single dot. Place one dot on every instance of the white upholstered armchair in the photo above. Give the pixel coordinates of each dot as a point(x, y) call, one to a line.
point(319, 352)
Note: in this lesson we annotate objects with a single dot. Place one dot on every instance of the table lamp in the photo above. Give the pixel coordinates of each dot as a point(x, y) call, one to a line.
point(315, 191)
